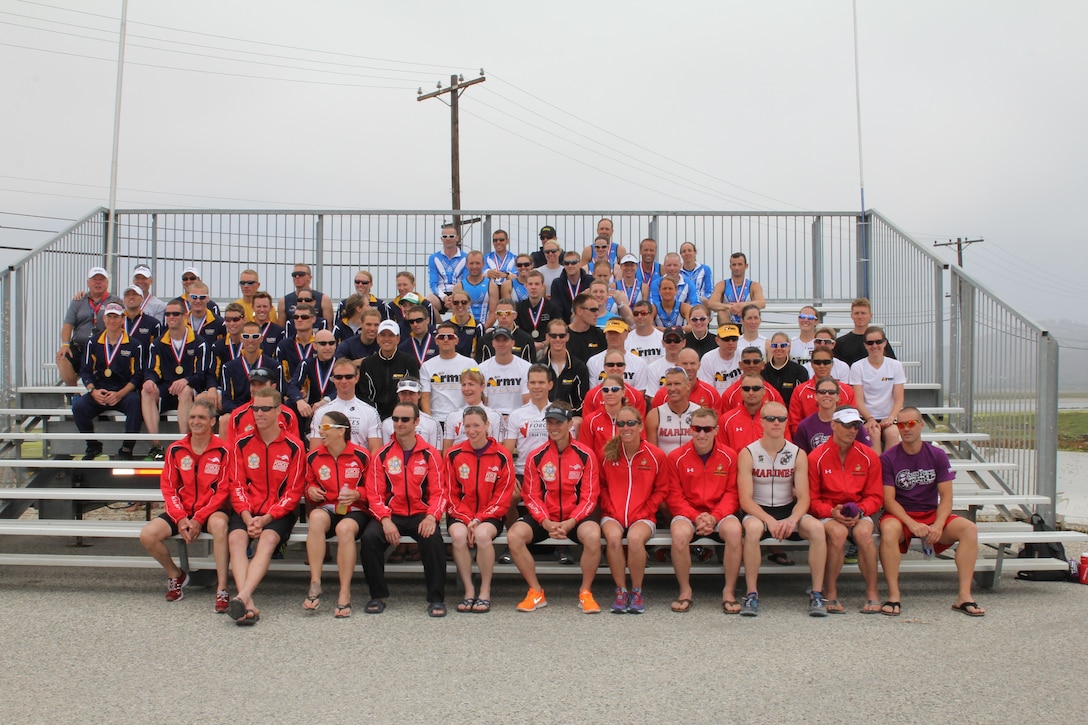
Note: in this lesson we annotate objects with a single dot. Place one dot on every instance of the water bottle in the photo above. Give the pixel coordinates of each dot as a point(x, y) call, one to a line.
point(927, 549)
point(341, 507)
point(1083, 573)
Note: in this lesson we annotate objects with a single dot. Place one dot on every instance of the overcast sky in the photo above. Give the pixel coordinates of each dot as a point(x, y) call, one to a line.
point(972, 114)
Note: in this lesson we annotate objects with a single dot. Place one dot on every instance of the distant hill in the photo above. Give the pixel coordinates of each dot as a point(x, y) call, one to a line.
point(1073, 363)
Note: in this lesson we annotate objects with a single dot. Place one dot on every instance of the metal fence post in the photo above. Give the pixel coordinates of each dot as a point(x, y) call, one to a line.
point(7, 392)
point(154, 244)
point(319, 252)
point(653, 231)
point(1046, 425)
point(938, 306)
point(18, 330)
point(817, 260)
point(864, 245)
point(966, 353)
point(485, 243)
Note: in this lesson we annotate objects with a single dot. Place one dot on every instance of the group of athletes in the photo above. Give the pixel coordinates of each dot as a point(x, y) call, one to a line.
point(564, 395)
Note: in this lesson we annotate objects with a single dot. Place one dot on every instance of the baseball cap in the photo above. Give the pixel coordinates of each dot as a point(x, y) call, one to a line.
point(411, 298)
point(547, 232)
point(389, 326)
point(142, 271)
point(502, 332)
point(191, 270)
point(133, 288)
point(98, 270)
point(674, 331)
point(616, 325)
point(260, 375)
point(554, 412)
point(410, 384)
point(113, 309)
point(629, 258)
point(847, 415)
point(729, 331)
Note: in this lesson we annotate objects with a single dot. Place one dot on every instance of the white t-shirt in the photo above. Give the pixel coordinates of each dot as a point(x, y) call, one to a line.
point(655, 375)
point(365, 423)
point(634, 373)
point(717, 372)
point(648, 348)
point(456, 434)
point(427, 429)
point(442, 379)
point(800, 351)
point(673, 429)
point(550, 275)
point(760, 342)
point(878, 384)
point(504, 385)
point(526, 427)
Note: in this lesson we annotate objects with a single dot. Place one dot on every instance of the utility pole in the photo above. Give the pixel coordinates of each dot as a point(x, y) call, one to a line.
point(959, 244)
point(456, 87)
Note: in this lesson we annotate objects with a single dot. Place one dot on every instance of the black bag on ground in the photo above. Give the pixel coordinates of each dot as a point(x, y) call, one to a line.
point(1050, 550)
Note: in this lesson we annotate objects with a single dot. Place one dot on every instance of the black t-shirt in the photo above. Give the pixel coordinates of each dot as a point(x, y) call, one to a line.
point(850, 347)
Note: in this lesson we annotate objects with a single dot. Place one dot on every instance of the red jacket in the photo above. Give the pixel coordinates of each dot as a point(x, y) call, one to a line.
point(240, 421)
point(594, 400)
point(731, 397)
point(803, 402)
point(561, 485)
point(400, 485)
point(696, 487)
point(634, 489)
point(479, 484)
point(331, 473)
point(267, 478)
point(832, 482)
point(195, 485)
point(598, 429)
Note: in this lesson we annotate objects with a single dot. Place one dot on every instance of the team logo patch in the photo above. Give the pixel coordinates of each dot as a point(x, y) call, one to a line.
point(462, 471)
point(353, 471)
point(186, 464)
point(324, 473)
point(394, 465)
point(211, 469)
point(547, 471)
point(254, 461)
point(419, 471)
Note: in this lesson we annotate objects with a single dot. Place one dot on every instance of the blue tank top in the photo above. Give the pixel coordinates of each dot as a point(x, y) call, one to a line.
point(518, 291)
point(477, 295)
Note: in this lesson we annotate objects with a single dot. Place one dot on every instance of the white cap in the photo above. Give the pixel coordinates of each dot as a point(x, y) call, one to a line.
point(389, 326)
point(629, 258)
point(113, 309)
point(133, 288)
point(410, 384)
point(96, 271)
point(142, 271)
point(194, 270)
point(846, 415)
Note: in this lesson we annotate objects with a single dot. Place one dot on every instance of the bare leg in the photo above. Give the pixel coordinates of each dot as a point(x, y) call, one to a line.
point(617, 562)
point(518, 541)
point(185, 404)
point(217, 527)
point(315, 544)
point(153, 536)
point(753, 554)
point(462, 557)
point(891, 533)
point(731, 532)
point(966, 533)
point(836, 545)
point(485, 557)
point(149, 404)
point(346, 532)
point(863, 537)
point(817, 549)
point(682, 532)
point(589, 533)
point(637, 536)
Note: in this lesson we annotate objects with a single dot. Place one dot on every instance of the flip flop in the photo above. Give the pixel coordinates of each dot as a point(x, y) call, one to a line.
point(313, 601)
point(890, 609)
point(236, 609)
point(466, 605)
point(732, 607)
point(971, 609)
point(482, 606)
point(343, 611)
point(871, 606)
point(682, 606)
point(251, 617)
point(781, 558)
point(834, 606)
point(375, 606)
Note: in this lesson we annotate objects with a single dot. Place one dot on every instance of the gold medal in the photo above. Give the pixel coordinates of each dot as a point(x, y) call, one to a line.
point(108, 373)
point(179, 370)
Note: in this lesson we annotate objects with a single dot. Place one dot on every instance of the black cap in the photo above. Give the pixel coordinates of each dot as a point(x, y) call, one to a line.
point(261, 375)
point(502, 332)
point(554, 412)
point(673, 330)
point(547, 232)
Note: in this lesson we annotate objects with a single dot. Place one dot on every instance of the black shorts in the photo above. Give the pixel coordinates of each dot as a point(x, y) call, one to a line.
point(75, 355)
point(497, 523)
point(282, 526)
point(173, 525)
point(780, 513)
point(540, 533)
point(167, 402)
point(361, 518)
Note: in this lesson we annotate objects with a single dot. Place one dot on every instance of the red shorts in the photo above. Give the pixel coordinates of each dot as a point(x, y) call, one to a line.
point(927, 518)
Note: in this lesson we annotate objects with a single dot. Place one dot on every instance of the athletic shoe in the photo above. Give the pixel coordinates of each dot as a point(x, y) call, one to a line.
point(588, 603)
point(155, 454)
point(635, 603)
point(222, 601)
point(851, 556)
point(619, 604)
point(703, 553)
point(92, 451)
point(124, 453)
point(506, 559)
point(280, 552)
point(533, 600)
point(750, 608)
point(562, 553)
point(816, 606)
point(175, 587)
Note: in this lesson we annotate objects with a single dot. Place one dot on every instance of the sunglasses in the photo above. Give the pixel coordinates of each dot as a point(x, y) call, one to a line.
point(198, 297)
point(626, 423)
point(643, 313)
point(264, 408)
point(233, 319)
point(874, 343)
point(779, 345)
point(362, 281)
point(551, 251)
point(459, 303)
point(598, 246)
point(752, 361)
point(325, 427)
point(731, 338)
point(828, 392)
point(775, 418)
point(247, 282)
point(822, 341)
point(305, 300)
point(614, 364)
point(343, 376)
point(446, 336)
point(853, 426)
point(168, 313)
point(414, 320)
point(751, 388)
point(248, 335)
point(821, 362)
point(703, 428)
point(571, 263)
point(303, 317)
point(611, 389)
point(299, 274)
point(188, 278)
point(558, 335)
point(504, 313)
point(594, 310)
point(806, 317)
point(525, 266)
point(402, 418)
point(324, 343)
point(907, 424)
point(449, 236)
point(699, 319)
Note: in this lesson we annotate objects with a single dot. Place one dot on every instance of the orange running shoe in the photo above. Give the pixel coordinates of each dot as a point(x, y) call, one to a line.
point(533, 600)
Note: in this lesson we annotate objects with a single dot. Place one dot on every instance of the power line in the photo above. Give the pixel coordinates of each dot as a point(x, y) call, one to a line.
point(38, 216)
point(27, 229)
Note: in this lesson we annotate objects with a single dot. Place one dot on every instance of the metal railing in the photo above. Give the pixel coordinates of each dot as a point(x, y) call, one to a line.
point(799, 257)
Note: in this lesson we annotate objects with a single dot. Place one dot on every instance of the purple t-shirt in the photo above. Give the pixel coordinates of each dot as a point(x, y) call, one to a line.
point(812, 433)
point(916, 477)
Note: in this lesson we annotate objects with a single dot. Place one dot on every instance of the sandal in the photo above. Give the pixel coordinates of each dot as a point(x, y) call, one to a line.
point(236, 609)
point(482, 606)
point(971, 609)
point(466, 605)
point(436, 609)
point(682, 606)
point(833, 606)
point(731, 607)
point(413, 553)
point(781, 558)
point(397, 557)
point(890, 609)
point(375, 606)
point(251, 617)
point(871, 606)
point(313, 599)
point(343, 611)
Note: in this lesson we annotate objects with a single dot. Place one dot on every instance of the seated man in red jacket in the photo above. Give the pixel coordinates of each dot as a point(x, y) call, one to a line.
point(845, 491)
point(195, 486)
point(407, 494)
point(267, 474)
